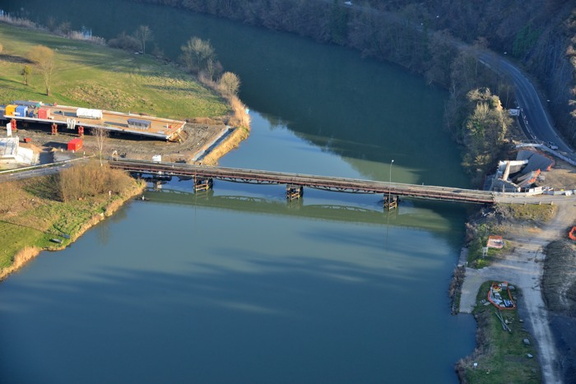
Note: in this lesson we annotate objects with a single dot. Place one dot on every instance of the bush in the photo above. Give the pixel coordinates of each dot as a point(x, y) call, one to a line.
point(125, 42)
point(89, 180)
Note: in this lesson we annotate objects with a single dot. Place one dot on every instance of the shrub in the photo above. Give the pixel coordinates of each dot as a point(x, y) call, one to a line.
point(89, 180)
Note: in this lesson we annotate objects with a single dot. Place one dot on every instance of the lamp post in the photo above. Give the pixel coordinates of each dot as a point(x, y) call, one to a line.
point(390, 184)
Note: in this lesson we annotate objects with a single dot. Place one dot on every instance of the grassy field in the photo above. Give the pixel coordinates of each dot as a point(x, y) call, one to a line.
point(502, 356)
point(31, 214)
point(94, 76)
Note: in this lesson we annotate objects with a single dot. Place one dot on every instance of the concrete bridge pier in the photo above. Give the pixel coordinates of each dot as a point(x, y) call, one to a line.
point(294, 192)
point(391, 202)
point(202, 184)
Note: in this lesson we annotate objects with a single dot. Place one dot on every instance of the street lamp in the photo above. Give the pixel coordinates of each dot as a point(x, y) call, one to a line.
point(390, 184)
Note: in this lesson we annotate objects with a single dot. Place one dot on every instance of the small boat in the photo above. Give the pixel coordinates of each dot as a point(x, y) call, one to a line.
point(499, 298)
point(57, 241)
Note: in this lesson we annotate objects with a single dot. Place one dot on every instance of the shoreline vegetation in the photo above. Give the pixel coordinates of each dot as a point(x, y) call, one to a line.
point(48, 213)
point(35, 212)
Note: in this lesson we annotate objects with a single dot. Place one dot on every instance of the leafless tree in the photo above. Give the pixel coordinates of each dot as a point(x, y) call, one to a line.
point(101, 135)
point(44, 59)
point(143, 34)
point(229, 84)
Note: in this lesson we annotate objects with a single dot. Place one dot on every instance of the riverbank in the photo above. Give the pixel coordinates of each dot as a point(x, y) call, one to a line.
point(32, 216)
point(521, 263)
point(35, 220)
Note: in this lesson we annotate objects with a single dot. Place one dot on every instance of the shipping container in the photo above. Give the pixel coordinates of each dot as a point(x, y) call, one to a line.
point(75, 144)
point(139, 123)
point(43, 113)
point(11, 110)
point(30, 104)
point(21, 111)
point(89, 113)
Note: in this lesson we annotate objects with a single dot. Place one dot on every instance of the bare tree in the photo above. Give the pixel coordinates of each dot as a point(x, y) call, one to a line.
point(229, 84)
point(143, 34)
point(101, 135)
point(196, 54)
point(43, 57)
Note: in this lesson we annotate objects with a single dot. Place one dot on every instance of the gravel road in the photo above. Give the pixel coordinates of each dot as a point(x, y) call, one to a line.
point(523, 267)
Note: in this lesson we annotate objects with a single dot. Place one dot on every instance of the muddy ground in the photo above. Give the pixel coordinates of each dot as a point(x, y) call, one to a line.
point(194, 138)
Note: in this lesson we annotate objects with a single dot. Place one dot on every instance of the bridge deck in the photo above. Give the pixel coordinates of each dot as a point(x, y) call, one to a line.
point(319, 182)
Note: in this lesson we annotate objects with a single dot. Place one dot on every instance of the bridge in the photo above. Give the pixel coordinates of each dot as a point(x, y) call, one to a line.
point(295, 182)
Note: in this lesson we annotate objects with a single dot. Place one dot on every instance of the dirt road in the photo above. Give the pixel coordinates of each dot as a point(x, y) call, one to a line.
point(523, 267)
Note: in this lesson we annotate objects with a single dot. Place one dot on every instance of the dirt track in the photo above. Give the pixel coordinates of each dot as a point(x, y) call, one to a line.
point(523, 267)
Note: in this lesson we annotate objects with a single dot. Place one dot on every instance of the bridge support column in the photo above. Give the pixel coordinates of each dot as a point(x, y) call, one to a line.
point(391, 202)
point(202, 184)
point(294, 192)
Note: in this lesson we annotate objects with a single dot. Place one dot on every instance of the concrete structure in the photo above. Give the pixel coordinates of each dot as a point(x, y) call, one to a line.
point(71, 118)
point(520, 174)
point(12, 153)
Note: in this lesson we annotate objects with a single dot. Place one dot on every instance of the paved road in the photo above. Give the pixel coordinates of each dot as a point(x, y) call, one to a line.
point(540, 125)
point(37, 170)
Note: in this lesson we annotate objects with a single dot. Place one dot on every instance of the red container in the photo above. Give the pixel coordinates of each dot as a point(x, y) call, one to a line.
point(75, 144)
point(43, 113)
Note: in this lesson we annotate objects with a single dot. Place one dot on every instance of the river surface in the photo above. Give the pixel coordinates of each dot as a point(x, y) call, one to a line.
point(237, 285)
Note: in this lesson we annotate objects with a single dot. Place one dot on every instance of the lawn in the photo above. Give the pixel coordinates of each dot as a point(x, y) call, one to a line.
point(95, 76)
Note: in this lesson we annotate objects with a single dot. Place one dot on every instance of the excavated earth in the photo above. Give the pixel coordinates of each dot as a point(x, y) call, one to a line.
point(194, 138)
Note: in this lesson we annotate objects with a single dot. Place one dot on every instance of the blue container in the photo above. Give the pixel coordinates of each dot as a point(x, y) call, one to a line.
point(21, 110)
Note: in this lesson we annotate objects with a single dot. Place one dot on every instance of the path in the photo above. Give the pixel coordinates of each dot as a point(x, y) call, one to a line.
point(523, 268)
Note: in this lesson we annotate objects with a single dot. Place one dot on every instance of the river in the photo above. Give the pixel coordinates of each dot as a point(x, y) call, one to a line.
point(237, 285)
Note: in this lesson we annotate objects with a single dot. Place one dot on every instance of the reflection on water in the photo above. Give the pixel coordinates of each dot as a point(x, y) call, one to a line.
point(183, 292)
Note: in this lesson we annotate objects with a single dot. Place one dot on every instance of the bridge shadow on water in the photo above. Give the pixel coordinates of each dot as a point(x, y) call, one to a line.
point(434, 216)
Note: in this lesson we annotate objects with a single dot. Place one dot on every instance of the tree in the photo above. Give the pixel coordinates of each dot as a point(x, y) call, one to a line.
point(485, 128)
point(43, 57)
point(229, 84)
point(101, 135)
point(196, 54)
point(143, 34)
point(26, 71)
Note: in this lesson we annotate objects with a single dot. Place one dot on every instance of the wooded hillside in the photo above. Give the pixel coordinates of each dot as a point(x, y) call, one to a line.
point(539, 34)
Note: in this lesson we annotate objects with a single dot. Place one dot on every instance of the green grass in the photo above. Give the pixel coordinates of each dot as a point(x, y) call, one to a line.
point(504, 357)
point(15, 237)
point(94, 76)
point(31, 215)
